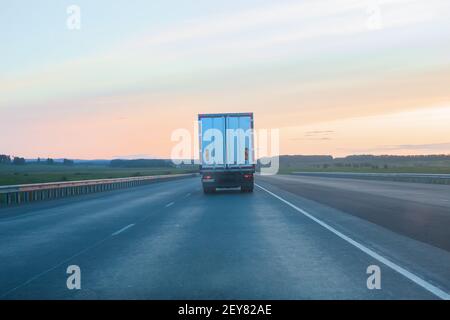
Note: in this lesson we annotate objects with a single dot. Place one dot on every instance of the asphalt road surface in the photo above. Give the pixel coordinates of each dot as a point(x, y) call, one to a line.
point(293, 238)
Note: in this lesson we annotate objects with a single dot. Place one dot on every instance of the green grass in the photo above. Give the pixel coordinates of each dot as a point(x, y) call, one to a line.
point(413, 169)
point(33, 173)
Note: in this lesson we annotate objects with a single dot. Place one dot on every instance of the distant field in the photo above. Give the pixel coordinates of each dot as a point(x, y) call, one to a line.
point(33, 173)
point(424, 169)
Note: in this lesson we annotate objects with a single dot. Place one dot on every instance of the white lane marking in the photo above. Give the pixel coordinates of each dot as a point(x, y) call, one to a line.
point(79, 253)
point(170, 204)
point(411, 276)
point(123, 229)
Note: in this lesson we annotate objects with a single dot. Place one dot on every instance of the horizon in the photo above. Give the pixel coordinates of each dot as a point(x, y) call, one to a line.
point(280, 155)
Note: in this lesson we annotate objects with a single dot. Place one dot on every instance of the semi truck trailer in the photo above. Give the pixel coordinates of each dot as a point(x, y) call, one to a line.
point(226, 145)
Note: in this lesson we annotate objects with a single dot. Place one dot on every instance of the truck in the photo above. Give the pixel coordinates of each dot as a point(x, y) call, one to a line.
point(226, 146)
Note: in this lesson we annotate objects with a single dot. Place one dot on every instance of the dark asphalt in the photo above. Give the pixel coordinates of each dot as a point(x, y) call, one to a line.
point(418, 211)
point(170, 241)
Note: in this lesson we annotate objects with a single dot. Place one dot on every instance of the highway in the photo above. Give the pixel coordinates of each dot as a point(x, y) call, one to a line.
point(293, 238)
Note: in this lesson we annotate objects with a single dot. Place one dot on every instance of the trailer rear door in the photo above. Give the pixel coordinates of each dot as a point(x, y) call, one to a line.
point(239, 141)
point(211, 127)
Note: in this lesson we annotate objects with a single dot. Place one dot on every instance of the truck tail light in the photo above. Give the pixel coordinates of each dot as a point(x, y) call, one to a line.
point(207, 177)
point(248, 176)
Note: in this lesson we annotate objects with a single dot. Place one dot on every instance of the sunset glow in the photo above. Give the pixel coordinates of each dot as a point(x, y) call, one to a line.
point(316, 70)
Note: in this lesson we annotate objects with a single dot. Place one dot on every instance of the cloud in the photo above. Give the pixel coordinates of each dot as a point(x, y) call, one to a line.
point(137, 156)
point(425, 147)
point(319, 132)
point(415, 148)
point(316, 135)
point(168, 58)
point(304, 14)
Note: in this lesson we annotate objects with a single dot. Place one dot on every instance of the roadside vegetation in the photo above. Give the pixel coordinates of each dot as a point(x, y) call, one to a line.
point(16, 170)
point(438, 164)
point(413, 169)
point(33, 173)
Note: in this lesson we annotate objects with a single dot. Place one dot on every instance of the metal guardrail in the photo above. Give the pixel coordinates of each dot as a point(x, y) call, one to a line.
point(18, 194)
point(402, 177)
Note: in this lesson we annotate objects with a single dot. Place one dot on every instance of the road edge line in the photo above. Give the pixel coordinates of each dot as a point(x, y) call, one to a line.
point(407, 274)
point(123, 229)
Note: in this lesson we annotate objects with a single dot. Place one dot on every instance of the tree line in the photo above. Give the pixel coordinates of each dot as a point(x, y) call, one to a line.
point(9, 160)
point(359, 161)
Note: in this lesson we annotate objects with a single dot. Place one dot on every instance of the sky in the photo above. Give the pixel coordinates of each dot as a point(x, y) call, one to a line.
point(335, 77)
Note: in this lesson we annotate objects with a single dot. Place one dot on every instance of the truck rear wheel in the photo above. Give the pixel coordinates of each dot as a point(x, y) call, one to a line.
point(246, 189)
point(208, 189)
